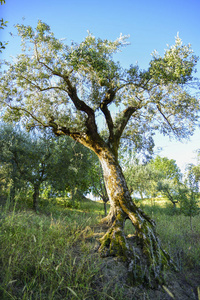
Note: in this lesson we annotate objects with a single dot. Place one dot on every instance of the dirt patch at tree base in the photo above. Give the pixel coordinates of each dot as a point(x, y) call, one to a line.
point(114, 283)
point(113, 279)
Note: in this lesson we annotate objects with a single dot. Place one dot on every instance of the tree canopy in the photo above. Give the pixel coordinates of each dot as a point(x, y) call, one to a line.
point(68, 86)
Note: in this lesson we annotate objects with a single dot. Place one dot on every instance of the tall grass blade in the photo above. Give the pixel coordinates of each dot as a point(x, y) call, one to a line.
point(198, 292)
point(168, 292)
point(72, 291)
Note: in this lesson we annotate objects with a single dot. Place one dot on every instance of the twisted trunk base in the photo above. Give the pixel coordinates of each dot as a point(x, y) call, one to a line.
point(145, 258)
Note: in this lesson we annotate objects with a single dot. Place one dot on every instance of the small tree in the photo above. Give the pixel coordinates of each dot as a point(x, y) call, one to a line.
point(71, 168)
point(168, 182)
point(170, 190)
point(140, 178)
point(37, 160)
point(190, 196)
point(189, 205)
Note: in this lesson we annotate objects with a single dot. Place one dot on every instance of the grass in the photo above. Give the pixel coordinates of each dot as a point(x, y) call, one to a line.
point(178, 239)
point(46, 255)
point(40, 255)
point(175, 232)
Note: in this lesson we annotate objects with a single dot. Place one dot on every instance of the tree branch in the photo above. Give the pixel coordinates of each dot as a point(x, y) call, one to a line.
point(72, 93)
point(109, 97)
point(166, 119)
point(127, 113)
point(26, 111)
point(43, 89)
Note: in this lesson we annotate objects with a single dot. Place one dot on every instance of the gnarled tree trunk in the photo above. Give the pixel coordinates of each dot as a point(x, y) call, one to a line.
point(145, 258)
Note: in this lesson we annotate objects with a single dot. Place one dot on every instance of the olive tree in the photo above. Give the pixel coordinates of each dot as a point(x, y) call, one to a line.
point(169, 181)
point(34, 160)
point(189, 198)
point(68, 88)
point(98, 187)
point(70, 168)
point(141, 179)
point(12, 144)
point(28, 158)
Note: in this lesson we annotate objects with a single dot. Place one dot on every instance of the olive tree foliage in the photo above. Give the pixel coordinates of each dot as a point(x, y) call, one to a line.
point(69, 87)
point(169, 181)
point(29, 160)
point(140, 179)
point(3, 24)
point(189, 195)
point(98, 187)
point(49, 72)
point(159, 176)
point(72, 168)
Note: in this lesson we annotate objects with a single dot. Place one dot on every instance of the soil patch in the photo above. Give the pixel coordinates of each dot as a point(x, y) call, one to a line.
point(113, 280)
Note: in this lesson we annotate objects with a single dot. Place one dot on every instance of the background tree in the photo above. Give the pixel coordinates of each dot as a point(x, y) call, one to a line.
point(33, 160)
point(71, 168)
point(11, 145)
point(167, 167)
point(66, 87)
point(189, 198)
point(140, 178)
point(168, 181)
point(195, 169)
point(4, 182)
point(158, 176)
point(98, 187)
point(27, 158)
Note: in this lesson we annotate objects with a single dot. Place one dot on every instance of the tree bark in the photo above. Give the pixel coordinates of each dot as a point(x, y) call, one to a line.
point(105, 208)
point(144, 255)
point(36, 196)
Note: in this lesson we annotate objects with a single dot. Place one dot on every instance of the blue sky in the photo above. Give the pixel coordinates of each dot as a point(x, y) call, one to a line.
point(150, 24)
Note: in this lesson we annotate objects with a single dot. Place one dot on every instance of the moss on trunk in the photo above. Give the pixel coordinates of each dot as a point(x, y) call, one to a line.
point(146, 260)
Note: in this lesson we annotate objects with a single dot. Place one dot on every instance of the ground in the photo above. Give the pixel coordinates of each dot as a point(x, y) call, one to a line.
point(114, 277)
point(53, 254)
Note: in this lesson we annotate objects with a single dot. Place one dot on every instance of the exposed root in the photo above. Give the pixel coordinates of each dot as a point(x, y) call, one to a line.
point(146, 260)
point(109, 219)
point(114, 243)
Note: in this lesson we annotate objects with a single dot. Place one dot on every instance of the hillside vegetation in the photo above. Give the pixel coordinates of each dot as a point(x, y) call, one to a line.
point(53, 254)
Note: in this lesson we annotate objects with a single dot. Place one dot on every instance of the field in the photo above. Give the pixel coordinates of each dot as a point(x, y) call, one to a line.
point(53, 254)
